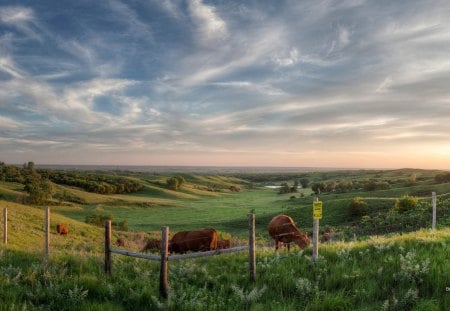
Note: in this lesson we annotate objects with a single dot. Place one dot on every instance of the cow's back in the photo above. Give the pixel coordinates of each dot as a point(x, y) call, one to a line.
point(197, 240)
point(178, 242)
point(280, 224)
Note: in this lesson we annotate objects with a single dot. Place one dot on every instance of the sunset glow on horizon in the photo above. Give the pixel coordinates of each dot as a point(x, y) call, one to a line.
point(345, 84)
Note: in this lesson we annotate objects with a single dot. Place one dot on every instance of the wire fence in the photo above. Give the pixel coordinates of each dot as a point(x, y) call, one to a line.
point(206, 236)
point(389, 219)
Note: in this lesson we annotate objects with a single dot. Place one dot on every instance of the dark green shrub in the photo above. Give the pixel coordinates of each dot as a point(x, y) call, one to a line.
point(358, 207)
point(172, 183)
point(405, 203)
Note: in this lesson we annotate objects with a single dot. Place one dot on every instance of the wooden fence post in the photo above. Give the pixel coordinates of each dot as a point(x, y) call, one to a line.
point(252, 246)
point(5, 226)
point(315, 246)
point(47, 231)
point(433, 201)
point(108, 247)
point(163, 282)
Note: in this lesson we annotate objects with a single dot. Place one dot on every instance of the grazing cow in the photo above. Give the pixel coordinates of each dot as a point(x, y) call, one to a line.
point(222, 244)
point(62, 229)
point(198, 240)
point(282, 229)
point(120, 242)
point(152, 244)
point(327, 235)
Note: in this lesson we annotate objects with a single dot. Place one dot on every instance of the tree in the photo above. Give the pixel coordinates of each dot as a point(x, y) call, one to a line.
point(172, 183)
point(294, 187)
point(442, 178)
point(330, 186)
point(358, 207)
point(412, 179)
point(405, 203)
point(285, 188)
point(345, 185)
point(180, 180)
point(304, 182)
point(30, 167)
point(40, 190)
point(318, 187)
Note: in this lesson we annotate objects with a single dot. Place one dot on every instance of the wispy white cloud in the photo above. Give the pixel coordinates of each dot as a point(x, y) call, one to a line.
point(8, 66)
point(263, 88)
point(171, 7)
point(129, 17)
point(211, 78)
point(8, 123)
point(210, 26)
point(289, 59)
point(22, 19)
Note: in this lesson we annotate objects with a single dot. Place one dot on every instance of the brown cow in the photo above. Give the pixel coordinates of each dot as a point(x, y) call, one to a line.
point(327, 235)
point(120, 242)
point(222, 244)
point(198, 240)
point(282, 229)
point(62, 229)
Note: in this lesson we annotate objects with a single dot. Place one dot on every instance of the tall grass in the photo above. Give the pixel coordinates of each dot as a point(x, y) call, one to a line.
point(408, 272)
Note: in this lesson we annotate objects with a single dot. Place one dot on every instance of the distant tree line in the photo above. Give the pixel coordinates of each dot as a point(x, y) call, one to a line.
point(442, 177)
point(95, 182)
point(348, 185)
point(286, 188)
point(38, 186)
point(332, 186)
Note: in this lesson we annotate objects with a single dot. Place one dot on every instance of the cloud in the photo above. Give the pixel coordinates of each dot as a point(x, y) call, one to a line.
point(22, 19)
point(210, 26)
point(287, 60)
point(9, 67)
point(217, 80)
point(124, 14)
point(8, 123)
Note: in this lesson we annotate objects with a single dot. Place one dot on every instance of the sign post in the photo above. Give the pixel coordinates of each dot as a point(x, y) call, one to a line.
point(317, 215)
point(433, 202)
point(5, 226)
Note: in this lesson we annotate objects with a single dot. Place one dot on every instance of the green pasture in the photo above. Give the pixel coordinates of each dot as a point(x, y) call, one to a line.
point(399, 271)
point(195, 206)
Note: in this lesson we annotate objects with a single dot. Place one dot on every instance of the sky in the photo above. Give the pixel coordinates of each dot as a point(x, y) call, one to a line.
point(320, 83)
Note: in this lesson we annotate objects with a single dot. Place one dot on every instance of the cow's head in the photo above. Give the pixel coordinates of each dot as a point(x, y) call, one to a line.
point(302, 240)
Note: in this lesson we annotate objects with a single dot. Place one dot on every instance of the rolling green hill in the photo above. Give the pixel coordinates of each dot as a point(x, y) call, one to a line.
point(399, 271)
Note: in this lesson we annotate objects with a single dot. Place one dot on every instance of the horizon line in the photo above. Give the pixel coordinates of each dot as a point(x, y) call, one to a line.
point(235, 166)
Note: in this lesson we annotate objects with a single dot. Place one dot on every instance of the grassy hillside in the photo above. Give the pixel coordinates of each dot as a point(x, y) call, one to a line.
point(205, 201)
point(402, 272)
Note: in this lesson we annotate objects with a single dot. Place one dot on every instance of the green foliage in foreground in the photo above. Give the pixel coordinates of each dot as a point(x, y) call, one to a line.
point(409, 272)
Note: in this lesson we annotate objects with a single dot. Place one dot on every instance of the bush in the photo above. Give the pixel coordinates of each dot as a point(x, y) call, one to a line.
point(172, 183)
point(234, 189)
point(358, 207)
point(175, 182)
point(405, 203)
point(442, 178)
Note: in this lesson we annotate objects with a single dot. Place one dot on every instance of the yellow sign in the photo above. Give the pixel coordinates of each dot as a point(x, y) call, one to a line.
point(317, 210)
